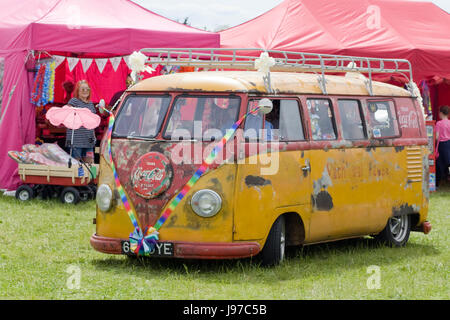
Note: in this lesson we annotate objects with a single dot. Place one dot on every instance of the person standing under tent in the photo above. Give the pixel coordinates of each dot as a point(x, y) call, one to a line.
point(83, 139)
point(443, 140)
point(128, 82)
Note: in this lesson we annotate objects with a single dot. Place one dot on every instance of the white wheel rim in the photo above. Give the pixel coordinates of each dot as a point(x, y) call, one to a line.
point(282, 242)
point(24, 195)
point(398, 227)
point(69, 197)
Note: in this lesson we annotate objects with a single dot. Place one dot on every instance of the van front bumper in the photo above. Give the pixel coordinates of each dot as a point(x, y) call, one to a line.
point(187, 250)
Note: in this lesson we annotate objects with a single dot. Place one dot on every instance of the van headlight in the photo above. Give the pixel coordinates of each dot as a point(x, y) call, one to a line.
point(206, 203)
point(104, 197)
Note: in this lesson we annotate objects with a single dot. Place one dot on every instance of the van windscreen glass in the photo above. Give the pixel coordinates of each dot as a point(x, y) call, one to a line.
point(141, 116)
point(202, 117)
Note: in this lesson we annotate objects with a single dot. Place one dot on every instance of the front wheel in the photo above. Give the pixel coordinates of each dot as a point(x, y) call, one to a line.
point(275, 246)
point(70, 195)
point(25, 193)
point(396, 233)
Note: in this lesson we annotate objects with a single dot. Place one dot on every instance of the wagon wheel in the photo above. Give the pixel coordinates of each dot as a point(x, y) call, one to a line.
point(24, 193)
point(70, 195)
point(93, 191)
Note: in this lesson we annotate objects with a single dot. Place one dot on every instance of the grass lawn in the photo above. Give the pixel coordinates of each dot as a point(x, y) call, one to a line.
point(44, 243)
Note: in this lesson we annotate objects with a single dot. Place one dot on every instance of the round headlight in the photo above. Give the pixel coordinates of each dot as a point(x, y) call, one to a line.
point(206, 203)
point(104, 197)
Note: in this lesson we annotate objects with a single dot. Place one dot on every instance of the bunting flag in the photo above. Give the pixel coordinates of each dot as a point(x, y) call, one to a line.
point(115, 62)
point(127, 61)
point(101, 63)
point(72, 63)
point(86, 63)
point(58, 60)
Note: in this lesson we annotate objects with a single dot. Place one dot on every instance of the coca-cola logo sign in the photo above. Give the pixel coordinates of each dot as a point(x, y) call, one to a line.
point(151, 175)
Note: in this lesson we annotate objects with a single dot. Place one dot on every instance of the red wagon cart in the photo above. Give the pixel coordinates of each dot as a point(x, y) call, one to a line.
point(69, 184)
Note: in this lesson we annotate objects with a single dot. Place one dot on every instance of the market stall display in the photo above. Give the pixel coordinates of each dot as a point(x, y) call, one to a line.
point(35, 36)
point(44, 171)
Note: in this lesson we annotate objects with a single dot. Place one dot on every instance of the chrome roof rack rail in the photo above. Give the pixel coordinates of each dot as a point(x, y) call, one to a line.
point(285, 61)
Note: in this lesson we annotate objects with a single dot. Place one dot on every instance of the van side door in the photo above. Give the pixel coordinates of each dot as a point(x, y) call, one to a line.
point(274, 174)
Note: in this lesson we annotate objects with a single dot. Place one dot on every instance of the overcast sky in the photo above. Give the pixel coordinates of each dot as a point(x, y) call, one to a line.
point(219, 14)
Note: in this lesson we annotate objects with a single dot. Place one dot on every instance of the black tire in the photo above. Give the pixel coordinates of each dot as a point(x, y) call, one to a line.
point(274, 249)
point(70, 195)
point(396, 233)
point(93, 190)
point(25, 193)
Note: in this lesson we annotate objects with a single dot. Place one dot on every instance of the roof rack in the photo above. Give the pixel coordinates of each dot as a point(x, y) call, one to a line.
point(285, 61)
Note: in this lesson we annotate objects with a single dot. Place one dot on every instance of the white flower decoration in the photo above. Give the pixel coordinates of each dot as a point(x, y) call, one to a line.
point(264, 62)
point(137, 64)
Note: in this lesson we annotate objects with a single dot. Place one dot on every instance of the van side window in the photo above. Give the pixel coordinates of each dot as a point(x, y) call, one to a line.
point(283, 123)
point(322, 120)
point(383, 119)
point(253, 123)
point(291, 128)
point(352, 119)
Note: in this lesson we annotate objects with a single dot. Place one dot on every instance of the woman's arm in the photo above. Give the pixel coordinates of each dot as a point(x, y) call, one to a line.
point(437, 129)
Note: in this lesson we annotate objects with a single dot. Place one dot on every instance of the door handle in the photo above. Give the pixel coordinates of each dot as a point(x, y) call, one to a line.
point(306, 168)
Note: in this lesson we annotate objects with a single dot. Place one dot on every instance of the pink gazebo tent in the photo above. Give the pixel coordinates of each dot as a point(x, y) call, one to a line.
point(413, 30)
point(88, 28)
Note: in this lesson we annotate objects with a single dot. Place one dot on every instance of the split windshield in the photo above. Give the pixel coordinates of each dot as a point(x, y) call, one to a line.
point(201, 118)
point(192, 117)
point(141, 116)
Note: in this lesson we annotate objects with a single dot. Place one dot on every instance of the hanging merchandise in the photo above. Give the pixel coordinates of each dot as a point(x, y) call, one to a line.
point(38, 85)
point(44, 84)
point(51, 85)
point(426, 97)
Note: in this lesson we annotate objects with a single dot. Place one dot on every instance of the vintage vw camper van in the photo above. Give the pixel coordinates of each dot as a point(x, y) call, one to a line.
point(338, 156)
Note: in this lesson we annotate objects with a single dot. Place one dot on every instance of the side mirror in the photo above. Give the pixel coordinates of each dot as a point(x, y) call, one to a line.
point(265, 106)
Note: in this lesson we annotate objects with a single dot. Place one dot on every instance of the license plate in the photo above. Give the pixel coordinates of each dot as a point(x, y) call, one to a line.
point(162, 249)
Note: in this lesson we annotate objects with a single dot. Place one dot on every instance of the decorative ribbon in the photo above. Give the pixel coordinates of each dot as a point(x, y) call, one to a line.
point(143, 243)
point(137, 232)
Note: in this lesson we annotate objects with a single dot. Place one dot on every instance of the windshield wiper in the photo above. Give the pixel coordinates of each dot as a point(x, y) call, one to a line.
point(143, 138)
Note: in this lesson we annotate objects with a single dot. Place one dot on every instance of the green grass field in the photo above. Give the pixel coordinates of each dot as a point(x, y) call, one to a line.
point(44, 244)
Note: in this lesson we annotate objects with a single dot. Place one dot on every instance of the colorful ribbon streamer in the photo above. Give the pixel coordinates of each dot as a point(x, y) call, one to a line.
point(143, 243)
point(137, 232)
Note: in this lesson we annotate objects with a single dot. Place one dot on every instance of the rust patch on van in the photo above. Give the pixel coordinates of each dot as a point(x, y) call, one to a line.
point(405, 209)
point(321, 199)
point(305, 173)
point(255, 181)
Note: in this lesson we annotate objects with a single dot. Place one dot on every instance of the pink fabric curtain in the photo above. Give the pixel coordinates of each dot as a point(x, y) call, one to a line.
point(104, 85)
point(17, 117)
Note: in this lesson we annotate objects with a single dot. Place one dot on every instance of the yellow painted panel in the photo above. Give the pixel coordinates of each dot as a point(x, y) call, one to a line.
point(259, 194)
